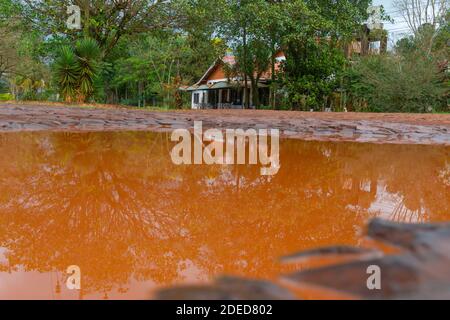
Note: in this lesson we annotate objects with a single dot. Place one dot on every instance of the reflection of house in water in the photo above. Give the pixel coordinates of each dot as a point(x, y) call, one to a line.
point(360, 192)
point(219, 89)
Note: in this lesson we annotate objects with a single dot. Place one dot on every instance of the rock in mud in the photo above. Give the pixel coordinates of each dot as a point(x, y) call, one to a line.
point(420, 271)
point(227, 288)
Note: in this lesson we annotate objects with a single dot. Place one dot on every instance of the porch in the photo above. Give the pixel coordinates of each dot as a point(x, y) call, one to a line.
point(225, 95)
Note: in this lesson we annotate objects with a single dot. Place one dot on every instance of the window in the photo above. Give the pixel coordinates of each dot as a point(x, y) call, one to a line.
point(225, 96)
point(196, 98)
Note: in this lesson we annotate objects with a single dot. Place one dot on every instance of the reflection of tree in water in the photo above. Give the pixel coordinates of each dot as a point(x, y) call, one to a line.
point(84, 199)
point(114, 204)
point(416, 177)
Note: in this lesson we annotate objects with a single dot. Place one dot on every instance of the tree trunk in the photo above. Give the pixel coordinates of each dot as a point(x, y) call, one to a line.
point(273, 91)
point(246, 91)
point(255, 92)
point(143, 94)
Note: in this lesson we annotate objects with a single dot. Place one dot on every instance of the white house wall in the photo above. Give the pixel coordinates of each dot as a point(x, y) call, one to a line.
point(203, 97)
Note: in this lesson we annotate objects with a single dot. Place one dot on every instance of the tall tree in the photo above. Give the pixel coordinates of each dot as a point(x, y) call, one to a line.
point(424, 18)
point(250, 27)
point(8, 51)
point(9, 39)
point(105, 21)
point(418, 12)
point(313, 32)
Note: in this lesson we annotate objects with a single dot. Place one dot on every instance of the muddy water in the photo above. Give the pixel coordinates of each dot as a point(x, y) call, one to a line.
point(116, 206)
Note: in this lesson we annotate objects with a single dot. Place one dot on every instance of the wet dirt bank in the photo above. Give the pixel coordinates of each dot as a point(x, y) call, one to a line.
point(357, 127)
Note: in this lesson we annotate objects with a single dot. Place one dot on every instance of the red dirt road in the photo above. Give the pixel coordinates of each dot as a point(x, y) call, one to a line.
point(358, 127)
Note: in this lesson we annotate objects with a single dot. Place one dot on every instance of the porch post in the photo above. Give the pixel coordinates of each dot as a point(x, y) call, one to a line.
point(220, 99)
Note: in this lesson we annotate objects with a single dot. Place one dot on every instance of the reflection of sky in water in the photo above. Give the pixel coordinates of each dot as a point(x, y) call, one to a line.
point(3, 259)
point(114, 204)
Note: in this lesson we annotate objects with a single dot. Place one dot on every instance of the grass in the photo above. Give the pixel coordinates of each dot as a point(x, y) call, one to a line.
point(6, 96)
point(441, 112)
point(87, 105)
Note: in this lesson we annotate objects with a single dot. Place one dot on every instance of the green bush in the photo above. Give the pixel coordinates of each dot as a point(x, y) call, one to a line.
point(6, 96)
point(388, 83)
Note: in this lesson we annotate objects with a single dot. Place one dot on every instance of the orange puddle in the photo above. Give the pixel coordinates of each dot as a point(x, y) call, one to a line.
point(116, 206)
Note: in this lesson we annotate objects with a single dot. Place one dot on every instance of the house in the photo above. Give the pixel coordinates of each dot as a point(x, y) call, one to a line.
point(217, 89)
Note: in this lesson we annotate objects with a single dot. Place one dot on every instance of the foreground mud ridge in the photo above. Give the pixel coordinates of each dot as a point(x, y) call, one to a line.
point(419, 270)
point(376, 128)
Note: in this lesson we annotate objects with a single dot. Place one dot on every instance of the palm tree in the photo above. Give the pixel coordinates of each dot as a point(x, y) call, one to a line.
point(76, 68)
point(87, 51)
